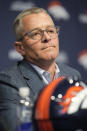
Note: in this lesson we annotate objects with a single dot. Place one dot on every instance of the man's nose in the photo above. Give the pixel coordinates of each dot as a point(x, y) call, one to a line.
point(45, 37)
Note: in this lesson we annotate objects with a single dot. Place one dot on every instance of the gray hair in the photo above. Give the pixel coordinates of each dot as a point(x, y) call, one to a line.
point(17, 25)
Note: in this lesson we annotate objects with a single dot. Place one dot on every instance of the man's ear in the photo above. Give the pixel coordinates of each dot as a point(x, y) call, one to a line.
point(19, 47)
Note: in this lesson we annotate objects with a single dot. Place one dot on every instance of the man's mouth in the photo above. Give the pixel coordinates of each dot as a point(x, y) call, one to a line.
point(47, 47)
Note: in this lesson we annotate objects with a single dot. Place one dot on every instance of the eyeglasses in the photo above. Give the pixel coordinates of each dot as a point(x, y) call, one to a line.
point(37, 34)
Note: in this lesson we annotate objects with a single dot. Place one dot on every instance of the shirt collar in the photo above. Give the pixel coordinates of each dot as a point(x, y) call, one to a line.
point(46, 75)
point(41, 71)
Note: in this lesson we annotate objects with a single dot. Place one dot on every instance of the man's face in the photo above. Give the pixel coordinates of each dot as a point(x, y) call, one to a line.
point(43, 50)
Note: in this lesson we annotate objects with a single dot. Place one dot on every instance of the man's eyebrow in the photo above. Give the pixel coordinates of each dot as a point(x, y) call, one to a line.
point(35, 29)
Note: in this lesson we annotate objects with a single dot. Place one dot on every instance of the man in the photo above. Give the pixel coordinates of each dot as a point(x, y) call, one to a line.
point(37, 41)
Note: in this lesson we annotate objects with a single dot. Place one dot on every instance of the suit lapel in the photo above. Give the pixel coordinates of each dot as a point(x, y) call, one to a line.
point(64, 70)
point(33, 79)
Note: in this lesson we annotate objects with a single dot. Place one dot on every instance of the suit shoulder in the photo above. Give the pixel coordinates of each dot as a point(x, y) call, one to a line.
point(8, 74)
point(8, 71)
point(12, 76)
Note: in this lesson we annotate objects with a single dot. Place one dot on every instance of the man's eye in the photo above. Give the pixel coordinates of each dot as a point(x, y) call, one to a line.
point(35, 33)
point(51, 31)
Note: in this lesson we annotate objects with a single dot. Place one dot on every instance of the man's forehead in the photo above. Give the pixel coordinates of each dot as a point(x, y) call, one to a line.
point(40, 20)
point(37, 15)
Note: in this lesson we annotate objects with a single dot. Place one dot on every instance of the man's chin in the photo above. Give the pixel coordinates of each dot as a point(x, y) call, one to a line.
point(50, 58)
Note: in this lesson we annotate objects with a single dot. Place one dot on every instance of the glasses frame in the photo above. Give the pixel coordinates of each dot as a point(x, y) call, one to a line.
point(42, 31)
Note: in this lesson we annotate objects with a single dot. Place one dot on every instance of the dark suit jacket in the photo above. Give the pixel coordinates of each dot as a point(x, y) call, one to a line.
point(22, 74)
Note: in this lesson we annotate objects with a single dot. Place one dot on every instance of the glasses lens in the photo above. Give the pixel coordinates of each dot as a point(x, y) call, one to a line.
point(51, 30)
point(36, 34)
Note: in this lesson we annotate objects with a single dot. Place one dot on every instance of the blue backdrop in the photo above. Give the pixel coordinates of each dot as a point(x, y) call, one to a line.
point(71, 15)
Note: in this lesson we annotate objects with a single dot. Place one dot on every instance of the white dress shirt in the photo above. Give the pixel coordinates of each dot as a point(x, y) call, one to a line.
point(46, 75)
